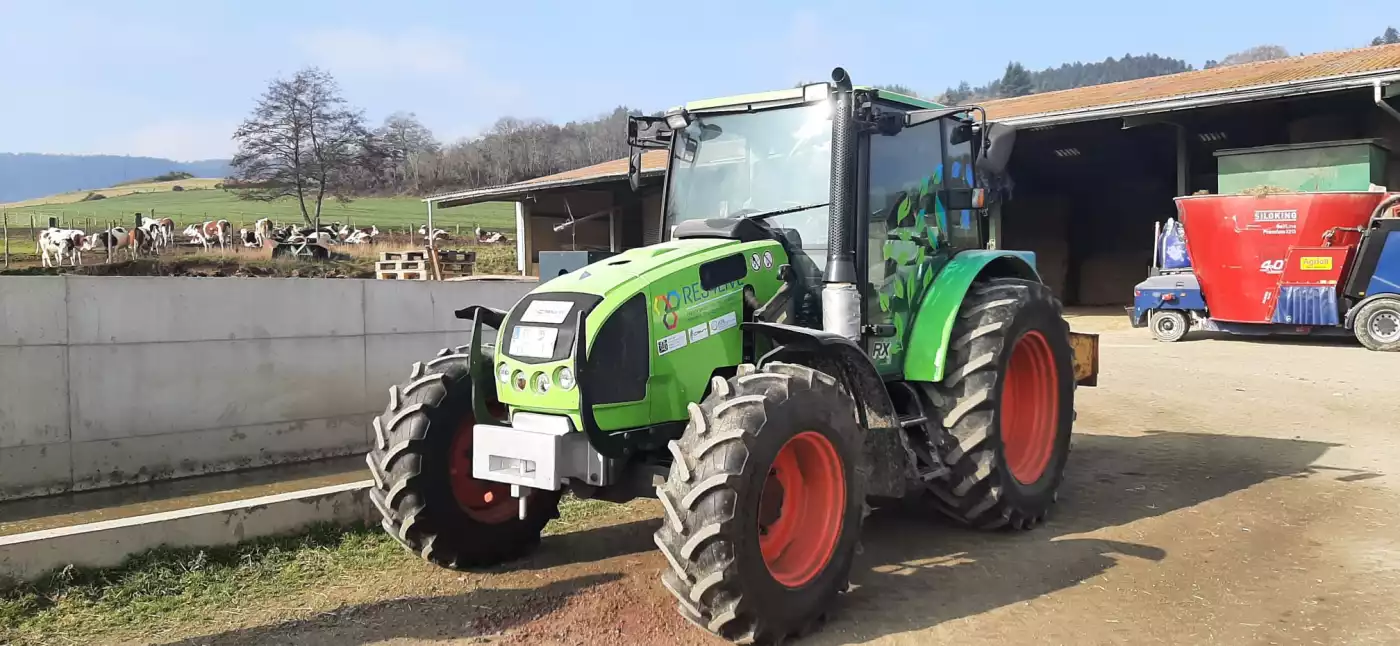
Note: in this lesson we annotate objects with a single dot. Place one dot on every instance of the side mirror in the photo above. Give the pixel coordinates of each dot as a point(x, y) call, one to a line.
point(634, 170)
point(961, 134)
point(959, 199)
point(1000, 138)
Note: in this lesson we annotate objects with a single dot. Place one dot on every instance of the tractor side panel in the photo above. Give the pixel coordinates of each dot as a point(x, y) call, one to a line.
point(694, 325)
point(933, 319)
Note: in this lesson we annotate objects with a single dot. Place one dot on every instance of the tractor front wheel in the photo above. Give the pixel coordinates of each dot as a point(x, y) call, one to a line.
point(422, 469)
point(1007, 404)
point(763, 503)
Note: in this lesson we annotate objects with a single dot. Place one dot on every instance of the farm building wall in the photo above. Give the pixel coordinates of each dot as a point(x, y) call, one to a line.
point(107, 381)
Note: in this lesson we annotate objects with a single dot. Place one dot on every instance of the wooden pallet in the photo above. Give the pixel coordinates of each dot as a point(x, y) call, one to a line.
point(403, 255)
point(401, 275)
point(414, 265)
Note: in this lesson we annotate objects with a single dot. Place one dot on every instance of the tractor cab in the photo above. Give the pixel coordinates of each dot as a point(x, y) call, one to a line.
point(918, 181)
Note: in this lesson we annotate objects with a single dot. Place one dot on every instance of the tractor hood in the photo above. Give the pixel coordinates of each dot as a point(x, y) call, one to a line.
point(631, 270)
point(657, 321)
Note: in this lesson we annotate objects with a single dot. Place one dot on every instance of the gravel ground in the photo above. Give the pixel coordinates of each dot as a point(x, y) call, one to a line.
point(1219, 491)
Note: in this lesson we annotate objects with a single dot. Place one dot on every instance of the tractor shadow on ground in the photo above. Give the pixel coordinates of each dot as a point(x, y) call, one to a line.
point(588, 546)
point(916, 573)
point(479, 614)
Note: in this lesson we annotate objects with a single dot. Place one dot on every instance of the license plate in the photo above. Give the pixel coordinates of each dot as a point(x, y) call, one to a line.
point(533, 342)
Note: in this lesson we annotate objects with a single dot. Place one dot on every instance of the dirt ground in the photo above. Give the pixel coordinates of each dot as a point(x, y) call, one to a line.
point(1219, 491)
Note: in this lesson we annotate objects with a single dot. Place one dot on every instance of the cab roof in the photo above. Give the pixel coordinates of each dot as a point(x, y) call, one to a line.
point(795, 94)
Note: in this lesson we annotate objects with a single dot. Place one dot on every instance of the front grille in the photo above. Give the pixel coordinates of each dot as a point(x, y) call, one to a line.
point(619, 359)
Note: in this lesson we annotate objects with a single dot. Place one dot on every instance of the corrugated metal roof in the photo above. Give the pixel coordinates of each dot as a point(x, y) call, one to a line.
point(1352, 68)
point(1369, 60)
point(653, 163)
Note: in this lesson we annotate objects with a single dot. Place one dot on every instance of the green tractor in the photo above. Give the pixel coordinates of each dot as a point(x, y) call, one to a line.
point(824, 329)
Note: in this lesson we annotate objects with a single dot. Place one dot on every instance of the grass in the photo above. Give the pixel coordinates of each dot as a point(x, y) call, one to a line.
point(165, 588)
point(201, 202)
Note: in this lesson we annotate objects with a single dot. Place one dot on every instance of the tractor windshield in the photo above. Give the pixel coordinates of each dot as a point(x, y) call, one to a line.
point(731, 165)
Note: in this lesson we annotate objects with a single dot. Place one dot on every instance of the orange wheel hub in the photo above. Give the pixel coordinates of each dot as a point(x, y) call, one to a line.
point(484, 502)
point(801, 509)
point(1030, 407)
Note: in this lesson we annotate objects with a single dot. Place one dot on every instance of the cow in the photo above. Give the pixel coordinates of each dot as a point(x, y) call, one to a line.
point(161, 232)
point(262, 231)
point(135, 241)
point(248, 238)
point(438, 234)
point(62, 243)
point(362, 235)
point(210, 233)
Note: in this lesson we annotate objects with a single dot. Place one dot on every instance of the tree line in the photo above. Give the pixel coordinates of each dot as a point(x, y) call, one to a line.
point(303, 141)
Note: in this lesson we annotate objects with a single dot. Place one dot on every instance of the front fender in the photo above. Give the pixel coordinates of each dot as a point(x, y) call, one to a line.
point(933, 322)
point(888, 464)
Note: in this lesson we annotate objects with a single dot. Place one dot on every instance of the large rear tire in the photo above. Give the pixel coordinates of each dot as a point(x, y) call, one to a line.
point(1007, 404)
point(763, 503)
point(421, 464)
point(1377, 325)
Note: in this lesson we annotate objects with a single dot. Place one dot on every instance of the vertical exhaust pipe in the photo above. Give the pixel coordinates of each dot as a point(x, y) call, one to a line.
point(840, 294)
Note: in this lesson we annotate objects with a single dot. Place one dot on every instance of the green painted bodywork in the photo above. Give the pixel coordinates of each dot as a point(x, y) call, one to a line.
point(692, 331)
point(938, 310)
point(794, 95)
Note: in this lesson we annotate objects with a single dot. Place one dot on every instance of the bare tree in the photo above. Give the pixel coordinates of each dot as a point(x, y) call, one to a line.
point(405, 141)
point(303, 141)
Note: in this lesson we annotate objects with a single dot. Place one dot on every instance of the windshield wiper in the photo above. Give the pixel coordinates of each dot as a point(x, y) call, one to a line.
point(761, 215)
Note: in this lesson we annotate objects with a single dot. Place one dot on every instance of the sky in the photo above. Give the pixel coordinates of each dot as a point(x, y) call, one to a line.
point(173, 79)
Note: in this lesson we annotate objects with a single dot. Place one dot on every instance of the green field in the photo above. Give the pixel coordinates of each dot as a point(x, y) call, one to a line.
point(198, 205)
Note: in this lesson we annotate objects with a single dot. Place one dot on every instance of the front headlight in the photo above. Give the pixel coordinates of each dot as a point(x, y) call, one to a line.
point(519, 379)
point(565, 378)
point(541, 383)
point(503, 373)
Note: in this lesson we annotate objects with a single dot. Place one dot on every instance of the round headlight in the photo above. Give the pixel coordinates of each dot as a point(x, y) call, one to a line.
point(541, 383)
point(519, 379)
point(503, 373)
point(565, 378)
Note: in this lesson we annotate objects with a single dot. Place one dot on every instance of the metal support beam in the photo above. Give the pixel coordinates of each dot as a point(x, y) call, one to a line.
point(1183, 162)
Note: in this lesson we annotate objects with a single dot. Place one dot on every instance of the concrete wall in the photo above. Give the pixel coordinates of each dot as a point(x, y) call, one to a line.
point(107, 381)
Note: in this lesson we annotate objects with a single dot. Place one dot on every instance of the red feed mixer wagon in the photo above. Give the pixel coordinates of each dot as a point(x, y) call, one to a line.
point(1287, 263)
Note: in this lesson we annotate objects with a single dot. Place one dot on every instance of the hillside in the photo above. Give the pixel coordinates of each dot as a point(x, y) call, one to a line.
point(200, 204)
point(30, 175)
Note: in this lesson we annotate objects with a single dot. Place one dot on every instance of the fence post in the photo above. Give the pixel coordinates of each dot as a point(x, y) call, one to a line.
point(5, 216)
point(111, 240)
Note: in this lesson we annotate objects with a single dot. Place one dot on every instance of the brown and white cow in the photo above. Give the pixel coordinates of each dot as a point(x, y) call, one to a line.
point(213, 232)
point(62, 243)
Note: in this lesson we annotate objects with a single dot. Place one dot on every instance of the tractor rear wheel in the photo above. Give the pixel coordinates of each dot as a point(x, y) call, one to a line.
point(1007, 404)
point(1377, 325)
point(763, 503)
point(423, 484)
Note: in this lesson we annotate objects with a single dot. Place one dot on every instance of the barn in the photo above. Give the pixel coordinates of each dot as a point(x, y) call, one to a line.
point(1093, 167)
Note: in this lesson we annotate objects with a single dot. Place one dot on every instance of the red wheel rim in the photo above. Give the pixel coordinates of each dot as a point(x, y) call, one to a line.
point(1030, 407)
point(485, 502)
point(801, 509)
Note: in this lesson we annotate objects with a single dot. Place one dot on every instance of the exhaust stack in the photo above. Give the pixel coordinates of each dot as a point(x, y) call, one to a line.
point(840, 294)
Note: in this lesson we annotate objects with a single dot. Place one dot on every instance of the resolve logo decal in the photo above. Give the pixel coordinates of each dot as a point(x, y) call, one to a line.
point(665, 306)
point(668, 306)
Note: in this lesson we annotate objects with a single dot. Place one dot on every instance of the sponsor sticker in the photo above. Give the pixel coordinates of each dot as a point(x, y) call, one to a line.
point(554, 312)
point(1315, 263)
point(533, 342)
point(671, 343)
point(699, 332)
point(722, 323)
